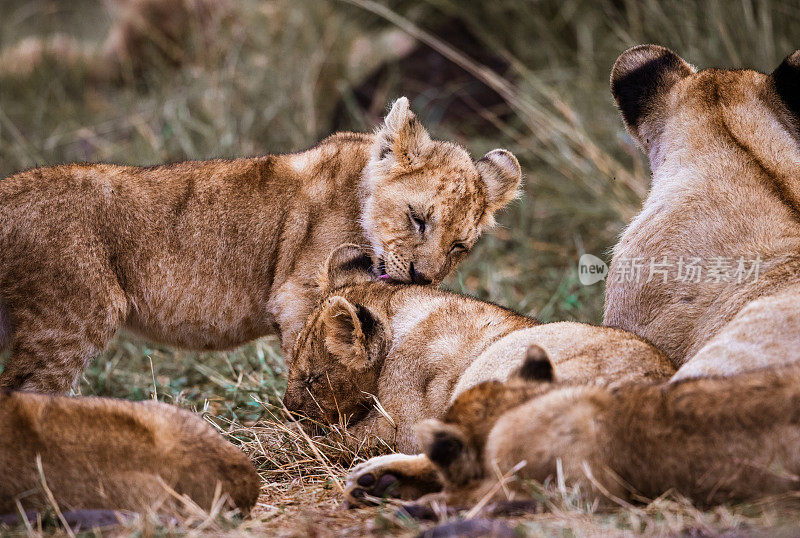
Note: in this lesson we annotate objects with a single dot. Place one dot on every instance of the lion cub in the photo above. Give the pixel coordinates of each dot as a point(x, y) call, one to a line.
point(416, 348)
point(99, 453)
point(208, 255)
point(714, 440)
point(724, 147)
point(717, 243)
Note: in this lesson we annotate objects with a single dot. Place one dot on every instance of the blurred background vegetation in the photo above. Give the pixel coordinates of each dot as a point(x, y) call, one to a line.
point(151, 81)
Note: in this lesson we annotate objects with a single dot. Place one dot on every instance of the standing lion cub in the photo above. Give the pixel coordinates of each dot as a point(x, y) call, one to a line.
point(209, 255)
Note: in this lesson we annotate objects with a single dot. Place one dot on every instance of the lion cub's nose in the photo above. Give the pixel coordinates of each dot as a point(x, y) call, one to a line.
point(416, 277)
point(296, 416)
point(293, 406)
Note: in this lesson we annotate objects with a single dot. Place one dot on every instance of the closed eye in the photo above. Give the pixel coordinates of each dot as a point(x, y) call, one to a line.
point(312, 378)
point(458, 247)
point(417, 220)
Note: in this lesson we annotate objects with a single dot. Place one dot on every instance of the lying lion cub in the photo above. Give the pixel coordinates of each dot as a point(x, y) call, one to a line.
point(416, 348)
point(724, 147)
point(717, 244)
point(714, 440)
point(209, 255)
point(99, 453)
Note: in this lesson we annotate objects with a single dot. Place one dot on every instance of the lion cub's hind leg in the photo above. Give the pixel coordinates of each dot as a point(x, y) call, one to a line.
point(59, 321)
point(394, 475)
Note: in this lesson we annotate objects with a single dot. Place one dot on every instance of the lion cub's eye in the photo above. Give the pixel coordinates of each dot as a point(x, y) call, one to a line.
point(458, 248)
point(312, 378)
point(417, 220)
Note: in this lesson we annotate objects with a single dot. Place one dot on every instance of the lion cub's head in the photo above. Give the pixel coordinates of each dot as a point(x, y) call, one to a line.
point(425, 202)
point(338, 355)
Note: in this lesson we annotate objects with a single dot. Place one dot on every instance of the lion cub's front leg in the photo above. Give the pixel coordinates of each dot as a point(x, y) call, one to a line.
point(372, 430)
point(394, 475)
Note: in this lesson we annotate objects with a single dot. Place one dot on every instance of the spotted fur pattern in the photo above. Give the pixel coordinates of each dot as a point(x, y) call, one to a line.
point(725, 153)
point(211, 254)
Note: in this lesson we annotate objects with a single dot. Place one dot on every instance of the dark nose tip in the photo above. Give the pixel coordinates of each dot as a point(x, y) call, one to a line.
point(416, 277)
point(294, 415)
point(291, 406)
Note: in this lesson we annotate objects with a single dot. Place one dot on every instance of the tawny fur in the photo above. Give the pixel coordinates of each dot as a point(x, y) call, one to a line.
point(724, 148)
point(712, 439)
point(209, 255)
point(416, 348)
point(113, 454)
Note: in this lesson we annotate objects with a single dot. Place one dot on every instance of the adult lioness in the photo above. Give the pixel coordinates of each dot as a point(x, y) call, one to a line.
point(717, 244)
point(415, 348)
point(713, 440)
point(208, 255)
point(99, 453)
point(724, 150)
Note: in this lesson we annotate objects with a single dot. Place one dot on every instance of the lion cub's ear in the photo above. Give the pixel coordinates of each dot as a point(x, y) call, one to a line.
point(536, 366)
point(502, 175)
point(401, 140)
point(346, 265)
point(449, 450)
point(640, 80)
point(352, 333)
point(786, 78)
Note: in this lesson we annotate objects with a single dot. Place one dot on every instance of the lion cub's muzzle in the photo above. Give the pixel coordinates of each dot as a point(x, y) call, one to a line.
point(399, 269)
point(417, 277)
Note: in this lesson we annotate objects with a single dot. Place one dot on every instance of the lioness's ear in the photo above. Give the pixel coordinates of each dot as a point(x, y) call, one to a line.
point(502, 175)
point(401, 139)
point(352, 333)
point(536, 366)
point(347, 264)
point(640, 80)
point(786, 78)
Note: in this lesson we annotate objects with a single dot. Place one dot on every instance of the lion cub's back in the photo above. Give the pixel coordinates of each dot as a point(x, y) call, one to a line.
point(114, 454)
point(579, 352)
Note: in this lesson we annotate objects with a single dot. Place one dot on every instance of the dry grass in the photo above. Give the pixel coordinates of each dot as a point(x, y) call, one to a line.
point(279, 76)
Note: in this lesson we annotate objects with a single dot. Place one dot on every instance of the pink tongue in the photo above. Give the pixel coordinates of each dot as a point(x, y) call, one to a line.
point(384, 277)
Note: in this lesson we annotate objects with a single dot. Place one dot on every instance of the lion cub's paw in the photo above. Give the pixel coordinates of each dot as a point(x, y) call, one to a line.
point(398, 476)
